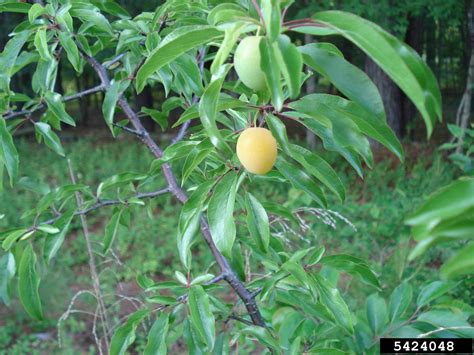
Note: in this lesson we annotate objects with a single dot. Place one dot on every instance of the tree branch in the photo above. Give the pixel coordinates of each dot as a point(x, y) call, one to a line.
point(76, 96)
point(104, 203)
point(175, 189)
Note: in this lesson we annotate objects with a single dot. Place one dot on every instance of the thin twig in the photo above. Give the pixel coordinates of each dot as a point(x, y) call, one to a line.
point(76, 96)
point(92, 265)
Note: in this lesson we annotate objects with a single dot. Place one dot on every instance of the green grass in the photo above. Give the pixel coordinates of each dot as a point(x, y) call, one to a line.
point(376, 206)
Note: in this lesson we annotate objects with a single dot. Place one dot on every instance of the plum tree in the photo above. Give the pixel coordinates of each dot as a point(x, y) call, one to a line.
point(184, 48)
point(247, 63)
point(257, 150)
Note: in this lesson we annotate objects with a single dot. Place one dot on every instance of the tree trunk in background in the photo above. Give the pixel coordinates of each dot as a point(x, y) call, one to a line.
point(464, 111)
point(391, 95)
point(430, 40)
point(414, 37)
point(310, 89)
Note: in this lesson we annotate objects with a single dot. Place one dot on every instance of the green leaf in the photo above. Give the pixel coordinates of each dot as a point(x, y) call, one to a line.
point(263, 336)
point(226, 13)
point(291, 64)
point(175, 44)
point(56, 107)
point(433, 291)
point(460, 264)
point(28, 284)
point(195, 157)
point(224, 103)
point(14, 6)
point(301, 180)
point(338, 133)
point(54, 242)
point(91, 15)
point(350, 80)
point(111, 230)
point(369, 124)
point(35, 11)
point(7, 271)
point(50, 138)
point(220, 213)
point(189, 221)
point(399, 61)
point(271, 69)
point(157, 116)
point(71, 49)
point(193, 342)
point(320, 169)
point(201, 316)
point(156, 344)
point(353, 266)
point(46, 228)
point(10, 237)
point(112, 95)
point(41, 44)
point(315, 31)
point(11, 51)
point(257, 221)
point(124, 336)
point(376, 313)
point(231, 35)
point(272, 18)
point(8, 153)
point(448, 202)
point(331, 298)
point(208, 110)
point(400, 301)
point(447, 319)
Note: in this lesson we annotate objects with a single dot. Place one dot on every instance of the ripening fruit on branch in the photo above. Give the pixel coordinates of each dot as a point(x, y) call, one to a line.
point(257, 150)
point(247, 63)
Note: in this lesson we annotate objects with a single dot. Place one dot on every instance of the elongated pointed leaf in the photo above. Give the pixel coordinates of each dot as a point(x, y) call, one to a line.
point(230, 39)
point(175, 44)
point(71, 49)
point(54, 242)
point(8, 153)
point(349, 79)
point(50, 138)
point(300, 180)
point(208, 110)
point(156, 344)
point(331, 298)
point(313, 164)
point(399, 61)
point(112, 229)
point(291, 64)
point(124, 336)
point(28, 283)
point(110, 101)
point(376, 313)
point(460, 264)
point(201, 315)
point(257, 221)
point(400, 300)
point(353, 266)
point(433, 291)
point(271, 69)
point(220, 213)
point(189, 221)
point(41, 44)
point(56, 107)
